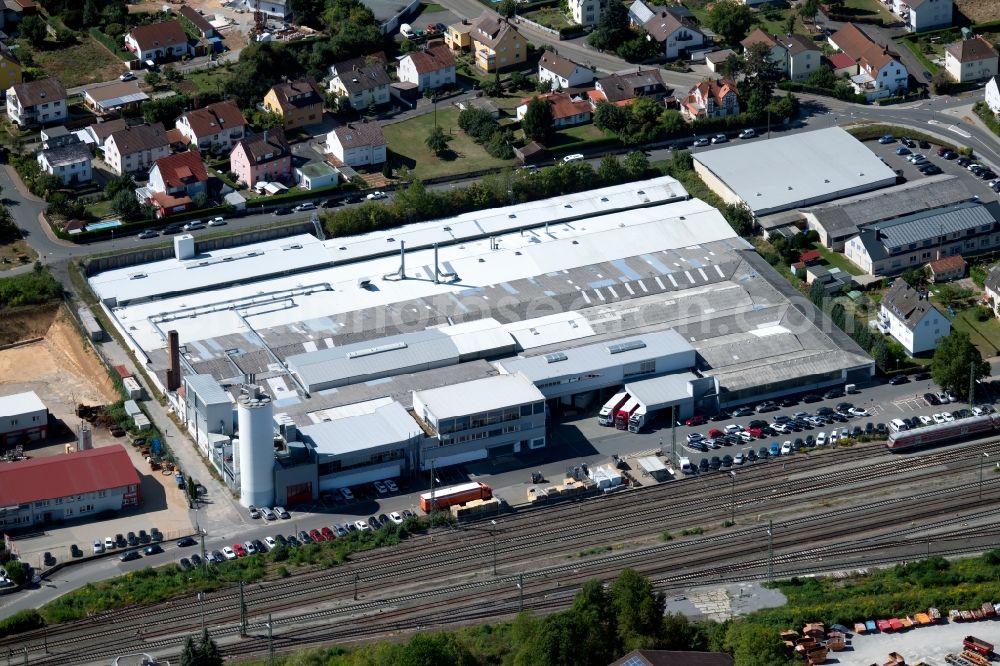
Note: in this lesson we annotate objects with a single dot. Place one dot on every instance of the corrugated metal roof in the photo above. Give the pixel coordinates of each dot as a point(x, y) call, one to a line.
point(659, 392)
point(68, 474)
point(207, 389)
point(386, 426)
point(595, 357)
point(930, 224)
point(480, 395)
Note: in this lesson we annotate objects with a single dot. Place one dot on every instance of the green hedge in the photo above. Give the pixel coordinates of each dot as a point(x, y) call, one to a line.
point(21, 621)
point(868, 132)
point(796, 86)
point(112, 45)
point(899, 99)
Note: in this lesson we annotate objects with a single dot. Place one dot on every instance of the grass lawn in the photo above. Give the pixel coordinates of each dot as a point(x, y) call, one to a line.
point(837, 259)
point(871, 8)
point(100, 209)
point(984, 334)
point(406, 141)
point(9, 253)
point(570, 135)
point(550, 17)
point(79, 64)
point(209, 80)
point(776, 26)
point(924, 58)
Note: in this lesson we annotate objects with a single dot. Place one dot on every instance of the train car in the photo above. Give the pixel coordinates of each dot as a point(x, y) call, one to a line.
point(460, 494)
point(944, 433)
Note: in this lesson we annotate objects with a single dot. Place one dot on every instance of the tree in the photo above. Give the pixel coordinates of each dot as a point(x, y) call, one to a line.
point(437, 141)
point(731, 20)
point(638, 610)
point(612, 28)
point(636, 164)
point(538, 122)
point(507, 8)
point(808, 9)
point(119, 184)
point(126, 206)
point(954, 359)
point(164, 109)
point(33, 29)
point(760, 74)
point(192, 489)
point(754, 645)
point(265, 120)
point(941, 82)
point(189, 654)
point(210, 655)
point(611, 170)
point(91, 13)
point(915, 277)
point(953, 296)
point(153, 79)
point(15, 572)
point(170, 73)
point(308, 12)
point(817, 293)
point(673, 122)
point(611, 118)
point(494, 88)
point(518, 81)
point(790, 23)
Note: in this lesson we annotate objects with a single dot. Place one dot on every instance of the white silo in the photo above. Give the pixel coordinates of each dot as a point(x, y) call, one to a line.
point(256, 448)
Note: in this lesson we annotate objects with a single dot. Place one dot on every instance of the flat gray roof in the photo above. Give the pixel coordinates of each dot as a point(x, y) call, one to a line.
point(799, 169)
point(658, 392)
point(387, 425)
point(207, 388)
point(480, 395)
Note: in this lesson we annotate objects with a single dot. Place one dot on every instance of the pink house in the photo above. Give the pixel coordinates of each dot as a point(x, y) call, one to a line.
point(262, 157)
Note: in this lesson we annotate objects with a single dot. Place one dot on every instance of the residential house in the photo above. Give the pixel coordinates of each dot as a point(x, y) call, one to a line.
point(993, 95)
point(69, 161)
point(777, 51)
point(716, 60)
point(261, 158)
point(880, 72)
point(363, 81)
point(357, 144)
point(676, 36)
point(924, 14)
point(165, 40)
point(716, 98)
point(297, 102)
point(907, 315)
point(315, 175)
point(586, 12)
point(200, 23)
point(114, 97)
point(57, 135)
point(41, 102)
point(842, 64)
point(135, 148)
point(674, 658)
point(563, 73)
point(215, 127)
point(640, 12)
point(567, 110)
point(834, 280)
point(482, 103)
point(947, 269)
point(992, 289)
point(622, 89)
point(796, 56)
point(174, 181)
point(277, 9)
point(458, 37)
point(971, 60)
point(429, 69)
point(496, 43)
point(10, 68)
point(892, 246)
point(100, 131)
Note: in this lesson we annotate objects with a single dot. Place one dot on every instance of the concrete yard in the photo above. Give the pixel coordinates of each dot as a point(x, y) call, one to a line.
point(930, 644)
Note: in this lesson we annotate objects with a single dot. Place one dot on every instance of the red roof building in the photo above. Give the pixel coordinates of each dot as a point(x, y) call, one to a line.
point(810, 256)
point(67, 486)
point(567, 110)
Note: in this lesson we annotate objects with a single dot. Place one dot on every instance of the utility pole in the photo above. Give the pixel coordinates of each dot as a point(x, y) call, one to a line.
point(201, 536)
point(201, 605)
point(432, 494)
point(673, 433)
point(520, 592)
point(770, 550)
point(243, 613)
point(270, 642)
point(356, 586)
point(982, 459)
point(493, 533)
point(732, 498)
point(972, 383)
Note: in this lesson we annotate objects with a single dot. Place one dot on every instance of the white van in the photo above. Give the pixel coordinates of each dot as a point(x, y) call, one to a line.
point(575, 157)
point(686, 467)
point(896, 425)
point(406, 30)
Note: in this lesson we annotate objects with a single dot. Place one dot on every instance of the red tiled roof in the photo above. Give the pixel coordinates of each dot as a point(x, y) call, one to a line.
point(182, 169)
point(214, 118)
point(952, 263)
point(563, 106)
point(841, 60)
point(168, 201)
point(433, 59)
point(811, 255)
point(758, 36)
point(972, 50)
point(67, 474)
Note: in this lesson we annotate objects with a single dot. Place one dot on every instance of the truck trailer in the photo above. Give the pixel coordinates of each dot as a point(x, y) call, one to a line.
point(606, 417)
point(625, 413)
point(638, 418)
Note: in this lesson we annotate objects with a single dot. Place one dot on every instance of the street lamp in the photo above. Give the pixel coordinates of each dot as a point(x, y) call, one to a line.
point(732, 498)
point(982, 460)
point(493, 533)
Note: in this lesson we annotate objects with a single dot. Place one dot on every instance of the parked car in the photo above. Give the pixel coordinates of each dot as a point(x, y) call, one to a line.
point(859, 412)
point(575, 157)
point(695, 420)
point(308, 205)
point(148, 233)
point(391, 485)
point(931, 170)
point(186, 541)
point(902, 150)
point(196, 560)
point(282, 513)
point(373, 522)
point(361, 525)
point(348, 495)
point(700, 143)
point(748, 133)
point(899, 379)
point(943, 398)
point(127, 76)
point(194, 225)
point(74, 551)
point(380, 488)
point(720, 138)
point(229, 553)
point(811, 397)
point(216, 222)
point(153, 549)
point(786, 448)
point(130, 555)
point(133, 539)
point(378, 194)
point(396, 517)
point(283, 210)
point(305, 537)
point(254, 511)
point(268, 514)
point(216, 557)
point(821, 439)
point(887, 138)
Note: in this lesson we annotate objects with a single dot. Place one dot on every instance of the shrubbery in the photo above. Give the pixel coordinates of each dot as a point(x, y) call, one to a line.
point(32, 288)
point(486, 131)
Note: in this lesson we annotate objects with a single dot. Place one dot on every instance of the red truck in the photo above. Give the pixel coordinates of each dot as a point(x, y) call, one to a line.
point(625, 413)
point(978, 645)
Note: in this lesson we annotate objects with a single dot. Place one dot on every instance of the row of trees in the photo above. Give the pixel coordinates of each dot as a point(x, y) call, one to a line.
point(32, 288)
point(486, 131)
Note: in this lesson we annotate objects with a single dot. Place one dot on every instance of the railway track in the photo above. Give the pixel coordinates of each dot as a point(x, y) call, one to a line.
point(525, 541)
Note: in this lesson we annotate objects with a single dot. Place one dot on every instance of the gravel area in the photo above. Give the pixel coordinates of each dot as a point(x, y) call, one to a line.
point(929, 644)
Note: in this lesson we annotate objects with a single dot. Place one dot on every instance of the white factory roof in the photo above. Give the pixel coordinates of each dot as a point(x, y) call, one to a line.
point(807, 167)
point(659, 392)
point(278, 256)
point(207, 388)
point(598, 356)
point(480, 395)
point(386, 425)
point(331, 292)
point(20, 403)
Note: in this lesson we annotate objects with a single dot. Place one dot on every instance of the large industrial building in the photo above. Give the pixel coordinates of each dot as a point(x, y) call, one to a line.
point(304, 365)
point(814, 167)
point(67, 486)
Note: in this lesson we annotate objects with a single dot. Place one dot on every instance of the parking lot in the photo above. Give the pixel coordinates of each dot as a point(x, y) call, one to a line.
point(977, 186)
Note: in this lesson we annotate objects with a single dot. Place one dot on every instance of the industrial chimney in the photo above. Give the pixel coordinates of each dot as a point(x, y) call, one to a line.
point(174, 354)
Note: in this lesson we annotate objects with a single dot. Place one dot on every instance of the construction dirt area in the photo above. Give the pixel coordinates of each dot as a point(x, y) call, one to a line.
point(979, 11)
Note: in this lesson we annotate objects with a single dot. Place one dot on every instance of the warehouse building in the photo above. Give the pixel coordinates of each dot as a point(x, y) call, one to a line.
point(477, 328)
point(816, 166)
point(24, 418)
point(66, 487)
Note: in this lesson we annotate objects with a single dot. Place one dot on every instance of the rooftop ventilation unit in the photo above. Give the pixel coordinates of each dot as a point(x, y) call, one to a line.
point(394, 346)
point(626, 346)
point(556, 357)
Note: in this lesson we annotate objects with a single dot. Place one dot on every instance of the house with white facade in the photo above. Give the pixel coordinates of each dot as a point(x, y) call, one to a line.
point(563, 73)
point(971, 60)
point(586, 12)
point(711, 99)
point(567, 110)
point(175, 180)
point(796, 56)
point(428, 69)
point(993, 95)
point(357, 144)
point(363, 83)
point(880, 71)
point(992, 288)
point(165, 40)
point(217, 126)
point(676, 36)
point(921, 15)
point(69, 161)
point(41, 102)
point(135, 148)
point(278, 9)
point(908, 316)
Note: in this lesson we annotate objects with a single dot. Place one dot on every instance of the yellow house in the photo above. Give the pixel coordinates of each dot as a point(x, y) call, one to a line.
point(496, 43)
point(297, 102)
point(10, 68)
point(457, 38)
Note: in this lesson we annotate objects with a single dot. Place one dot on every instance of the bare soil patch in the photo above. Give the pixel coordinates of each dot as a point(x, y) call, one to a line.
point(979, 11)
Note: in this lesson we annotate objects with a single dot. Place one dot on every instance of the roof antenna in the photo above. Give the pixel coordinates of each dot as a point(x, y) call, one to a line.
point(401, 273)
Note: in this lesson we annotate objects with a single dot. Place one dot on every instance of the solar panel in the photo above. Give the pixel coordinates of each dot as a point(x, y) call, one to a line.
point(556, 357)
point(620, 347)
